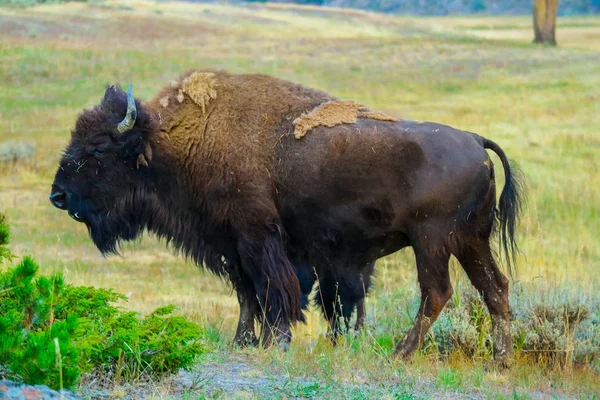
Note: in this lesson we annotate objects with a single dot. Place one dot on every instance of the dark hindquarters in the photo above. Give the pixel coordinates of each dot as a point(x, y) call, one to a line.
point(265, 262)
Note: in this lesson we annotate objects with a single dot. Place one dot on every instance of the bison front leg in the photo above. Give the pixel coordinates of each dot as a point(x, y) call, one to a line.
point(265, 262)
point(436, 290)
point(245, 334)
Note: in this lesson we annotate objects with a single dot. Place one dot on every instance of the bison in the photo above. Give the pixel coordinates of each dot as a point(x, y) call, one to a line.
point(275, 186)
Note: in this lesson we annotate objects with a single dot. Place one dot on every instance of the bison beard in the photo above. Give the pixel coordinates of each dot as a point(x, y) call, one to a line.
point(211, 164)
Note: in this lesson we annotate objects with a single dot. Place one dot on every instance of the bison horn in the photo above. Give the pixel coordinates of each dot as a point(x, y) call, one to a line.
point(129, 120)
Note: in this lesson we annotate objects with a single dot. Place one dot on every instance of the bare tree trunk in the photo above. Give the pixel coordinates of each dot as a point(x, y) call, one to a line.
point(544, 21)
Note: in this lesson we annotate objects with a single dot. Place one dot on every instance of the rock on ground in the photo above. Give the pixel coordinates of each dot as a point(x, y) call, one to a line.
point(10, 390)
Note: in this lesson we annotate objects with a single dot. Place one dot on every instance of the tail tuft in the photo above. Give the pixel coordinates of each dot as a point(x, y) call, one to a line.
point(510, 205)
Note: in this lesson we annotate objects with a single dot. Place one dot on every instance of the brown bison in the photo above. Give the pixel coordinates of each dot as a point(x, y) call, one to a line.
point(276, 186)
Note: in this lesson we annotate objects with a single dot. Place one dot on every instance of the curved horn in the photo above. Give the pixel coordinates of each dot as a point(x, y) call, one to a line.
point(129, 120)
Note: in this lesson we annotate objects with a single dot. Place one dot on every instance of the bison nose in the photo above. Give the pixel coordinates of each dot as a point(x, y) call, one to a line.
point(58, 198)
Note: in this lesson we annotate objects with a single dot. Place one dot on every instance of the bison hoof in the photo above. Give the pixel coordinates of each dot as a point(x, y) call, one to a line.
point(284, 346)
point(502, 363)
point(247, 340)
point(404, 350)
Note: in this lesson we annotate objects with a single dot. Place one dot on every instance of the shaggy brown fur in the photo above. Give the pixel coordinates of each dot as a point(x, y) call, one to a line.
point(224, 129)
point(334, 113)
point(220, 136)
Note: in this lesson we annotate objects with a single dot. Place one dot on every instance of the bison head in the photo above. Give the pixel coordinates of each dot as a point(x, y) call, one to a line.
point(103, 172)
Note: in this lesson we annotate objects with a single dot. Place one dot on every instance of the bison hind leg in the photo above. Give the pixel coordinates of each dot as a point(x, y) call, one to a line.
point(436, 290)
point(478, 262)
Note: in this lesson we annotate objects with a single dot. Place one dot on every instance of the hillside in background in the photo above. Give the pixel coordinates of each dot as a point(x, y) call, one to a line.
point(455, 7)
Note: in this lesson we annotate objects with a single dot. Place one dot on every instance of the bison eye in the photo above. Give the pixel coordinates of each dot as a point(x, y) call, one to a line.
point(98, 153)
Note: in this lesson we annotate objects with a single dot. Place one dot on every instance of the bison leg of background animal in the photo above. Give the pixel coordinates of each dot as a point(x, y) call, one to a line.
point(338, 297)
point(360, 315)
point(365, 281)
point(478, 262)
point(436, 290)
point(245, 334)
point(306, 277)
point(328, 299)
point(274, 280)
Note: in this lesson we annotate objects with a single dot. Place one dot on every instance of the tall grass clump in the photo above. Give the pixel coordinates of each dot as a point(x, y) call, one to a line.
point(52, 332)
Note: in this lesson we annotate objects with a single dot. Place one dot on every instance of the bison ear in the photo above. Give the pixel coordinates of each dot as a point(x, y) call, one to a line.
point(112, 98)
point(118, 102)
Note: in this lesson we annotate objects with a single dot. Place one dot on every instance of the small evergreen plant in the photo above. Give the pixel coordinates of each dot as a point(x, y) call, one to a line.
point(52, 332)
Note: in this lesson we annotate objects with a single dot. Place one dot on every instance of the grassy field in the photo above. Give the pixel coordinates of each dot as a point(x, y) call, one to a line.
point(542, 105)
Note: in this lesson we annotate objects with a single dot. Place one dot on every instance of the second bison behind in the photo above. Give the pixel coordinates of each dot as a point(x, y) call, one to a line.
point(276, 186)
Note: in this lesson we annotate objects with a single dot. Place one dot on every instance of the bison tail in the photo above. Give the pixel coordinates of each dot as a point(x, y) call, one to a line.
point(510, 206)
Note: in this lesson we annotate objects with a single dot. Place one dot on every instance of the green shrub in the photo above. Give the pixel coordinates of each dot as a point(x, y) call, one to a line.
point(52, 332)
point(4, 237)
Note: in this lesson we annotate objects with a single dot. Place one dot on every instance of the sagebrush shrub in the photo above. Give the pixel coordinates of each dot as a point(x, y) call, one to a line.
point(13, 152)
point(554, 327)
point(551, 326)
point(464, 326)
point(92, 332)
